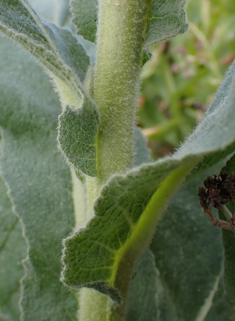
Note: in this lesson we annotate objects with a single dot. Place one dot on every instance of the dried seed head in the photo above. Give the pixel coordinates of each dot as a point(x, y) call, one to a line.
point(218, 191)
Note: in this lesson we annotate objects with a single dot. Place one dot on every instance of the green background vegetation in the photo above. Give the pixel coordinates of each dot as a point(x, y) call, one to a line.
point(179, 82)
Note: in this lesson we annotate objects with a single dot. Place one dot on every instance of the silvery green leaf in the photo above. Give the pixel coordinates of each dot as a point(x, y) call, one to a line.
point(66, 60)
point(167, 18)
point(148, 300)
point(52, 46)
point(12, 252)
point(39, 182)
point(84, 17)
point(142, 152)
point(188, 251)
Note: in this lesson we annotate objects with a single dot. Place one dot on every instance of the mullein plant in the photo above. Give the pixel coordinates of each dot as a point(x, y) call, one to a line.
point(80, 230)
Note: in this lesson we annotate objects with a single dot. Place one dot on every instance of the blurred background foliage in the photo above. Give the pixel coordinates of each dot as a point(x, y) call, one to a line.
point(179, 81)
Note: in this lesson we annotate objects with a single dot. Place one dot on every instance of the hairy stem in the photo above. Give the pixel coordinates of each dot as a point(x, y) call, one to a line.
point(121, 28)
point(93, 306)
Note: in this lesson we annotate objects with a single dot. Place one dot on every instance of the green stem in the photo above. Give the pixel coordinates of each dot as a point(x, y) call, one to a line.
point(121, 28)
point(93, 305)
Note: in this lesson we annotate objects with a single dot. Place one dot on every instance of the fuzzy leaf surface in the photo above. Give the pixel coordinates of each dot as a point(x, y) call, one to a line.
point(190, 254)
point(12, 252)
point(148, 300)
point(142, 152)
point(56, 11)
point(229, 248)
point(188, 251)
point(77, 133)
point(167, 18)
point(58, 50)
point(52, 46)
point(84, 17)
point(39, 182)
point(89, 255)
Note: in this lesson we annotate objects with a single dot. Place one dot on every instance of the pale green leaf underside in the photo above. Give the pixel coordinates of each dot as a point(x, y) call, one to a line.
point(58, 50)
point(84, 17)
point(89, 256)
point(12, 252)
point(167, 18)
point(39, 181)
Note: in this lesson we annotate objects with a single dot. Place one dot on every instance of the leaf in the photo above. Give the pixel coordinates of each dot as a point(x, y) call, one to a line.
point(143, 287)
point(142, 152)
point(221, 308)
point(92, 255)
point(52, 46)
point(148, 299)
point(167, 18)
point(12, 252)
point(189, 255)
point(118, 210)
point(49, 10)
point(84, 17)
point(188, 250)
point(229, 246)
point(67, 63)
point(39, 182)
point(77, 137)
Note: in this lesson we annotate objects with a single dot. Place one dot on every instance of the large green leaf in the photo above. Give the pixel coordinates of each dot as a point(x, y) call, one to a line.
point(188, 251)
point(66, 61)
point(229, 251)
point(54, 47)
point(189, 256)
point(39, 182)
point(148, 299)
point(91, 255)
point(167, 18)
point(12, 252)
point(56, 11)
point(84, 17)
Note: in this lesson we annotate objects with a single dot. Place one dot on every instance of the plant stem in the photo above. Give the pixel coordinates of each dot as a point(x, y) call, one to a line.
point(93, 305)
point(121, 28)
